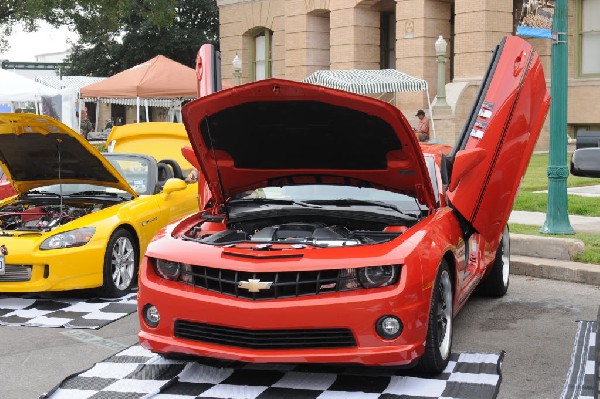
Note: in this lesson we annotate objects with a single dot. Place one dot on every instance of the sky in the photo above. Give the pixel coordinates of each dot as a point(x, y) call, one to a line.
point(25, 46)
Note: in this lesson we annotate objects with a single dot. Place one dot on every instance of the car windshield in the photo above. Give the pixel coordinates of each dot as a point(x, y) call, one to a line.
point(135, 170)
point(324, 194)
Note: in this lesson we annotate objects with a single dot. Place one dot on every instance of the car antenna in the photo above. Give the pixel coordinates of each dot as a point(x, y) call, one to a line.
point(212, 149)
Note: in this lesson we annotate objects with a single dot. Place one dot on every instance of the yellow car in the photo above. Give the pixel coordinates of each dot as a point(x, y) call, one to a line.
point(80, 219)
point(149, 138)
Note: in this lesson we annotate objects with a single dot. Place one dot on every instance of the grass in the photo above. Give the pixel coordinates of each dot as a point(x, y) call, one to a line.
point(591, 253)
point(536, 179)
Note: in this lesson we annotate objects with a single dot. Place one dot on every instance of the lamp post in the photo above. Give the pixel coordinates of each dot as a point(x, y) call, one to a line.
point(557, 217)
point(440, 51)
point(237, 69)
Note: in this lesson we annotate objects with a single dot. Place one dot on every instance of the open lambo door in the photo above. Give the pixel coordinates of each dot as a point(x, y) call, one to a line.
point(491, 155)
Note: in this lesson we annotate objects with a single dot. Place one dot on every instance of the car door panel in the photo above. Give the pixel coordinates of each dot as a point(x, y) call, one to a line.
point(501, 134)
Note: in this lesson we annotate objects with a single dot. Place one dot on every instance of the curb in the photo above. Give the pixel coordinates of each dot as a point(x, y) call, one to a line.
point(545, 247)
point(562, 270)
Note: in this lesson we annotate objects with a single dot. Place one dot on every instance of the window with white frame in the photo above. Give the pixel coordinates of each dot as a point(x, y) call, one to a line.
point(262, 55)
point(590, 37)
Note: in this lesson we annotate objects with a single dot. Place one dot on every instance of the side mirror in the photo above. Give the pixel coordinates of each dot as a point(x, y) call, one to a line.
point(586, 162)
point(464, 162)
point(173, 185)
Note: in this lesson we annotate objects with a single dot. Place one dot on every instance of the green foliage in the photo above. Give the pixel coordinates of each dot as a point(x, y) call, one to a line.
point(174, 28)
point(591, 253)
point(176, 34)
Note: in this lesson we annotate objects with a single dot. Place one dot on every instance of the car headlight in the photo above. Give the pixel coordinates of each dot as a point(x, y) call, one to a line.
point(69, 239)
point(167, 269)
point(378, 276)
point(369, 277)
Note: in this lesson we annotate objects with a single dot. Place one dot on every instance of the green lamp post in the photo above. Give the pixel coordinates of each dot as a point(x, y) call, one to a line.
point(557, 217)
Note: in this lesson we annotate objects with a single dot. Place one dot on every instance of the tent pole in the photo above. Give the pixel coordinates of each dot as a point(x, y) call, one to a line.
point(430, 111)
point(137, 112)
point(97, 115)
point(146, 105)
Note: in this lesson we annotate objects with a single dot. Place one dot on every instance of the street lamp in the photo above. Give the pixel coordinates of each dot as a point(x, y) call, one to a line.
point(237, 69)
point(440, 51)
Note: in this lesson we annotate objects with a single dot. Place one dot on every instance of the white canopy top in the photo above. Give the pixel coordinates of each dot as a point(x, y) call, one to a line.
point(15, 87)
point(367, 81)
point(61, 82)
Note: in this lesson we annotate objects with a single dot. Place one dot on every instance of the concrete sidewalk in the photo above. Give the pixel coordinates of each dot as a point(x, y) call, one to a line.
point(581, 224)
point(551, 257)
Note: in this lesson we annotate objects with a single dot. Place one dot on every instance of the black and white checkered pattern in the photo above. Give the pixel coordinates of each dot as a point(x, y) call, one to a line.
point(137, 373)
point(582, 378)
point(36, 310)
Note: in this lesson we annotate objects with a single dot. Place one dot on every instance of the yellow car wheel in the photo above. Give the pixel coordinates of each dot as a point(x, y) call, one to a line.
point(120, 264)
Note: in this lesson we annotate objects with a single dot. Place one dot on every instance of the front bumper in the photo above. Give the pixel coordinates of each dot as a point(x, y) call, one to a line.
point(54, 270)
point(357, 311)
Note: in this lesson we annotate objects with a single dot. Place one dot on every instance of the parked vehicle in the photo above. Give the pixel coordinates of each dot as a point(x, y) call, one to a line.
point(585, 162)
point(332, 235)
point(81, 219)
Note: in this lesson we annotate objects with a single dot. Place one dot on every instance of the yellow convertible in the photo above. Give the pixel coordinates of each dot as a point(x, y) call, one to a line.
point(80, 219)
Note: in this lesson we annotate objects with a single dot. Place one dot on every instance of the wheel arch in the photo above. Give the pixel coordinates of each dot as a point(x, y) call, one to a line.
point(128, 227)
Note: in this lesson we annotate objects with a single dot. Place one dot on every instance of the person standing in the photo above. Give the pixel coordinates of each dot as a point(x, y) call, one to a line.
point(86, 126)
point(422, 129)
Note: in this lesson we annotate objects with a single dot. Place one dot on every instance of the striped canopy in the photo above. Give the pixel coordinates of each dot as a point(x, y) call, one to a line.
point(367, 81)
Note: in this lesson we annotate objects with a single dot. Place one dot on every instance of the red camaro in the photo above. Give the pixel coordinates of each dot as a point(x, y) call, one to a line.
point(332, 235)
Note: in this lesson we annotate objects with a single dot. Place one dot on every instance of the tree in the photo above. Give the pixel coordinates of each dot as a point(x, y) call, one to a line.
point(87, 17)
point(100, 52)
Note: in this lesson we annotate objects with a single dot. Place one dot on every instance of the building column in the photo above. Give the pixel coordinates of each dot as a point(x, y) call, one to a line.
point(354, 36)
point(479, 27)
point(418, 25)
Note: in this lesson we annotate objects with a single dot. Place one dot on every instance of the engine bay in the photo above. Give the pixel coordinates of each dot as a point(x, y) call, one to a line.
point(314, 231)
point(33, 216)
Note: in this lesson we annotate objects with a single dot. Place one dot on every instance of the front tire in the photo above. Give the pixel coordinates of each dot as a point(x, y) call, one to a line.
point(496, 283)
point(438, 343)
point(120, 264)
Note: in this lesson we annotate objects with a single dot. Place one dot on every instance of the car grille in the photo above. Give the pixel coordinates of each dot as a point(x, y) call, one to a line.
point(265, 339)
point(16, 273)
point(284, 284)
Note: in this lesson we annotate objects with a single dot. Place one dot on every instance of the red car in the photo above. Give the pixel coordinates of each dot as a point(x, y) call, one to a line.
point(332, 235)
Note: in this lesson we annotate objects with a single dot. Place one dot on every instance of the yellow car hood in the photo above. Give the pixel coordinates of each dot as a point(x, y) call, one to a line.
point(37, 150)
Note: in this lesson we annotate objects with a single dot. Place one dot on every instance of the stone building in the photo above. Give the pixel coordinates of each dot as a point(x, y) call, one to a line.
point(292, 38)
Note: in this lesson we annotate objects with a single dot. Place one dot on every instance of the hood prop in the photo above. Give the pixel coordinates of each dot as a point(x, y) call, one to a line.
point(58, 141)
point(212, 150)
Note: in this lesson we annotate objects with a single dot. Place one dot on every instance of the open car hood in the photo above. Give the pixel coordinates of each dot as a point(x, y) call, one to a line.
point(277, 132)
point(36, 150)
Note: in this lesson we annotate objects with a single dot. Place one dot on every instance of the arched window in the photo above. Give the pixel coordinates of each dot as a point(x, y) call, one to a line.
point(261, 62)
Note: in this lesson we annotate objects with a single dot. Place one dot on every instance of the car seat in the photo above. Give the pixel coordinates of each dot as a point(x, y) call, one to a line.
point(164, 173)
point(177, 172)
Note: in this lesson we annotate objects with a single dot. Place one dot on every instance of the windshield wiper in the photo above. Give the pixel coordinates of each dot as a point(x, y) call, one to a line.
point(95, 192)
point(352, 201)
point(272, 201)
point(46, 193)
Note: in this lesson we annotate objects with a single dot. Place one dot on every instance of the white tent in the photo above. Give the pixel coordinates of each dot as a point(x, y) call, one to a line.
point(370, 81)
point(69, 89)
point(17, 88)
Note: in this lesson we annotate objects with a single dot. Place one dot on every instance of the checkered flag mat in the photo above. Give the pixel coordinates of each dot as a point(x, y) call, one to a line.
point(582, 378)
point(36, 310)
point(138, 373)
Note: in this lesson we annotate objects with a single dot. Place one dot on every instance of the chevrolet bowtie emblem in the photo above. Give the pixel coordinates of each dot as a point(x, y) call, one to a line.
point(255, 285)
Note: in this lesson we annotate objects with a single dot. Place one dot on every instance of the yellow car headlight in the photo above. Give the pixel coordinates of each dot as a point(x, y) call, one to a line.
point(68, 239)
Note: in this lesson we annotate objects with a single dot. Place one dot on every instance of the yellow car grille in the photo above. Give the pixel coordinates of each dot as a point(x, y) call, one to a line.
point(16, 273)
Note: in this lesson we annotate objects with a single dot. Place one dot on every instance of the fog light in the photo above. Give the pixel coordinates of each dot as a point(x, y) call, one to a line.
point(151, 315)
point(389, 327)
